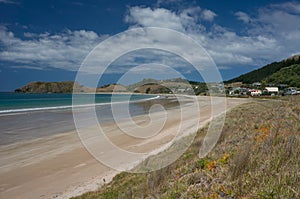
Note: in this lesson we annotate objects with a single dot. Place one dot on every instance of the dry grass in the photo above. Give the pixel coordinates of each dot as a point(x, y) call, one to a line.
point(256, 157)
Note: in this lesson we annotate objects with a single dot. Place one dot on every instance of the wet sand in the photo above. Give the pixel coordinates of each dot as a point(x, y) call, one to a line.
point(59, 166)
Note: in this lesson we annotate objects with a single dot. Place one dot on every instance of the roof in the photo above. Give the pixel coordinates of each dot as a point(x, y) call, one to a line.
point(272, 89)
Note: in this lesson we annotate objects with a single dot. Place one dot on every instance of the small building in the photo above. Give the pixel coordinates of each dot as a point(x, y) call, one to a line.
point(282, 86)
point(255, 92)
point(272, 90)
point(256, 84)
point(238, 91)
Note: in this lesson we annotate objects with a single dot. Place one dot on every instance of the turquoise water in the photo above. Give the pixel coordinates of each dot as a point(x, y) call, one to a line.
point(19, 102)
point(30, 116)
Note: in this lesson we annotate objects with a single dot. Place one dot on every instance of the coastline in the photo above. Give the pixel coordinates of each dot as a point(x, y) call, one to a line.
point(30, 123)
point(59, 170)
point(45, 108)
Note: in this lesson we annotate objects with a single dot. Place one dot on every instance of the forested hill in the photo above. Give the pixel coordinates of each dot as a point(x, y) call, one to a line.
point(266, 71)
point(288, 75)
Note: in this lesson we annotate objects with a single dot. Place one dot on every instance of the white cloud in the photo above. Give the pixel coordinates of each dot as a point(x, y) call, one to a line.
point(208, 15)
point(278, 22)
point(159, 17)
point(243, 17)
point(30, 35)
point(9, 1)
point(140, 43)
point(269, 35)
point(273, 34)
point(184, 20)
point(290, 7)
point(65, 50)
point(140, 46)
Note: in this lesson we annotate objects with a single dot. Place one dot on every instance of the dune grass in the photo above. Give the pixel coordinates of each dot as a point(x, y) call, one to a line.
point(257, 156)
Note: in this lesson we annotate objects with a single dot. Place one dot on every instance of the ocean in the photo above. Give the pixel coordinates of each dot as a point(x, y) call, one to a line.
point(23, 102)
point(30, 116)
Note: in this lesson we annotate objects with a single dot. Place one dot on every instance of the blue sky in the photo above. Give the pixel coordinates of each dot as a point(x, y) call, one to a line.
point(48, 40)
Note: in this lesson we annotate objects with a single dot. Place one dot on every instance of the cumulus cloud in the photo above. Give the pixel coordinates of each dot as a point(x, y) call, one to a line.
point(270, 34)
point(159, 17)
point(290, 7)
point(187, 19)
point(65, 50)
point(278, 22)
point(208, 15)
point(279, 18)
point(243, 17)
point(141, 46)
point(68, 49)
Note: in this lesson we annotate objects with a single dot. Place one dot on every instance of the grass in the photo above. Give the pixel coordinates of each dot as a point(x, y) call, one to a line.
point(257, 156)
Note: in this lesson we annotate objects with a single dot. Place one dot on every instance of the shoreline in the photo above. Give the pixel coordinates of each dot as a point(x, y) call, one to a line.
point(60, 170)
point(22, 126)
point(46, 108)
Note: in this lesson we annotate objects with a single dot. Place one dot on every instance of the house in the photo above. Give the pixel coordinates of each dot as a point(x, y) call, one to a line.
point(255, 92)
point(256, 84)
point(272, 90)
point(282, 86)
point(238, 91)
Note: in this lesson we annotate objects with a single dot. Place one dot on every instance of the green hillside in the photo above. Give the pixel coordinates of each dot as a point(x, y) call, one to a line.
point(288, 75)
point(266, 71)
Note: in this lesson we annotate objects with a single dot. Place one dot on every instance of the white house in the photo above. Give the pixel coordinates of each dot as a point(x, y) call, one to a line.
point(272, 89)
point(257, 84)
point(255, 92)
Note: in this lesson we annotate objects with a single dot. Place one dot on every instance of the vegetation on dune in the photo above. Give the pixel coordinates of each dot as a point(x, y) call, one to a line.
point(257, 156)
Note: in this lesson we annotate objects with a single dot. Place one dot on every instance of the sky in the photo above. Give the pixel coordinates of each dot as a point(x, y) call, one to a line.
point(53, 40)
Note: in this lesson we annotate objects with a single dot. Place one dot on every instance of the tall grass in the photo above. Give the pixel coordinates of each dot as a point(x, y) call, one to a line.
point(258, 156)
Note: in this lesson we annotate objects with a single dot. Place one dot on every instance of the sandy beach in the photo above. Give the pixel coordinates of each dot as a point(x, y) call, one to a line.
point(59, 166)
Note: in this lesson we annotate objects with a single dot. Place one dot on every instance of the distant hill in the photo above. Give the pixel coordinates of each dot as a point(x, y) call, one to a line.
point(151, 86)
point(132, 87)
point(52, 87)
point(266, 71)
point(112, 88)
point(176, 82)
point(288, 75)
